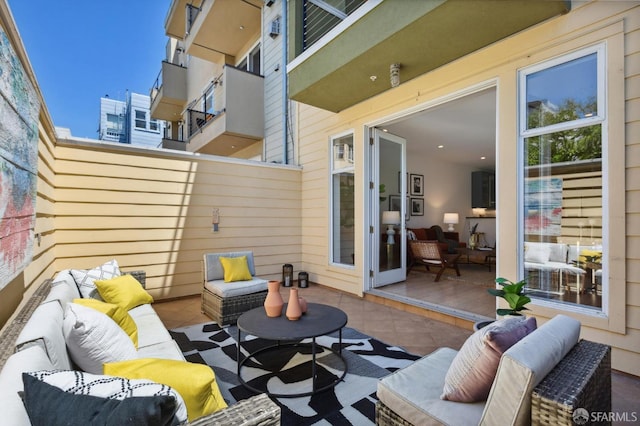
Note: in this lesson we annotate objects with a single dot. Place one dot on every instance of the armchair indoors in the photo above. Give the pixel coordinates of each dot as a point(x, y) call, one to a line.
point(430, 254)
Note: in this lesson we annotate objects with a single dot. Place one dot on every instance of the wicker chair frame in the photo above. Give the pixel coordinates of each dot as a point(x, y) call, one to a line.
point(428, 253)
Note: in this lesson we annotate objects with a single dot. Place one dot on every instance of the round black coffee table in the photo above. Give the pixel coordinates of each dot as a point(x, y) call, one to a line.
point(319, 320)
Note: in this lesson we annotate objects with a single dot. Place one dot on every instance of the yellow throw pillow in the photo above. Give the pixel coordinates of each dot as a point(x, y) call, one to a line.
point(235, 268)
point(124, 291)
point(595, 254)
point(196, 383)
point(116, 313)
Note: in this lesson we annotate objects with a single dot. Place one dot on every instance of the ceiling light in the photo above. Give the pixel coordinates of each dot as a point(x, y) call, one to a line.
point(373, 77)
point(242, 27)
point(483, 158)
point(385, 130)
point(440, 146)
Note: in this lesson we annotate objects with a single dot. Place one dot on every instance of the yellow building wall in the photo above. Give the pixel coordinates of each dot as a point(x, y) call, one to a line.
point(617, 24)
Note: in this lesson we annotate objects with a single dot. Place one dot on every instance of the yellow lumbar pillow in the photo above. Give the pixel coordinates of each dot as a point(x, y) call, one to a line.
point(124, 291)
point(116, 313)
point(590, 253)
point(235, 268)
point(196, 383)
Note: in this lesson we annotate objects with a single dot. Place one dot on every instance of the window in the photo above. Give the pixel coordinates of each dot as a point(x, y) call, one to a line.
point(153, 125)
point(141, 119)
point(251, 62)
point(208, 100)
point(562, 120)
point(342, 201)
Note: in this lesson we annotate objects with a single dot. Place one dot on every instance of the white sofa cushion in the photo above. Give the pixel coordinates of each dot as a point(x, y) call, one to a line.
point(236, 288)
point(162, 350)
point(32, 358)
point(63, 289)
point(414, 393)
point(151, 330)
point(523, 366)
point(94, 339)
point(44, 328)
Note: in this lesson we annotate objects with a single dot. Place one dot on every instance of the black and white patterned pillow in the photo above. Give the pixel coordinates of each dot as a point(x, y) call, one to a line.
point(81, 383)
point(85, 278)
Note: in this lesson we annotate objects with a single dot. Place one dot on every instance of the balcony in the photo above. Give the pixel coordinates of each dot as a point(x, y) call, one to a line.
point(169, 92)
point(235, 119)
point(221, 28)
point(335, 72)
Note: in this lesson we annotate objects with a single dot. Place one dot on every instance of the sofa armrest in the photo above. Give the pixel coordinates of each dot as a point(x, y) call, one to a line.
point(582, 379)
point(257, 410)
point(141, 276)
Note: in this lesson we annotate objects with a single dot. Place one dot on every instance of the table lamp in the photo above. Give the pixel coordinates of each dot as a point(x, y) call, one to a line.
point(451, 219)
point(390, 218)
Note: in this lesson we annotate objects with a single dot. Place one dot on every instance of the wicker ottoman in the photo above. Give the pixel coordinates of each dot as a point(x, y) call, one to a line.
point(226, 310)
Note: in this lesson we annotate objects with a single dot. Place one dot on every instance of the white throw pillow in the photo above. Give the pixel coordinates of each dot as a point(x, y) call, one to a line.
point(81, 383)
point(537, 253)
point(85, 277)
point(94, 339)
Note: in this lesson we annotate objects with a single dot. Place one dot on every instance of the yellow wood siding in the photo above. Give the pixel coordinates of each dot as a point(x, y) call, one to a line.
point(153, 211)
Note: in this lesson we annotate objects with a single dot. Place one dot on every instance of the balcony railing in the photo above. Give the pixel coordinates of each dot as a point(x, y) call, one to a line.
point(191, 13)
point(320, 16)
point(197, 120)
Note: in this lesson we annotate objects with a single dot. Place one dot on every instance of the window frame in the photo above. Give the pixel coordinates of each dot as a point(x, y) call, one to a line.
point(601, 119)
point(333, 171)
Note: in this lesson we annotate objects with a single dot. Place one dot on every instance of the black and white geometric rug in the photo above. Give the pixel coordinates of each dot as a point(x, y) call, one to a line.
point(288, 370)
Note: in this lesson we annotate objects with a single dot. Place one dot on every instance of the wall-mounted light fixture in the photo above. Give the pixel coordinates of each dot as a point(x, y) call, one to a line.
point(215, 220)
point(394, 73)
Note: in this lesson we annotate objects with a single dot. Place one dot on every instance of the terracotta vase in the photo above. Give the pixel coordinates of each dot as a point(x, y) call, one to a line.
point(273, 302)
point(303, 304)
point(293, 306)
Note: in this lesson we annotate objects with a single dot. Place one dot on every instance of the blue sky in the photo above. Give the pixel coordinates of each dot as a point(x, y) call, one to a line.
point(83, 50)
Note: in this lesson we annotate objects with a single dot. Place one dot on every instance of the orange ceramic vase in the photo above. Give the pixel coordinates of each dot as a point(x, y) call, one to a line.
point(294, 312)
point(303, 304)
point(273, 302)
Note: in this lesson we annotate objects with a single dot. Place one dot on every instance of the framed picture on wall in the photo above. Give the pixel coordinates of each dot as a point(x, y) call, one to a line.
point(416, 184)
point(394, 203)
point(417, 207)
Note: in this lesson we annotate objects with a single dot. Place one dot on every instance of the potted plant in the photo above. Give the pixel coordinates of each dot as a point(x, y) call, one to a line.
point(513, 293)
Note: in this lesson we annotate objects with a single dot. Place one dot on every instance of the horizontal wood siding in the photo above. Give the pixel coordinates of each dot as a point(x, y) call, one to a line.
point(153, 211)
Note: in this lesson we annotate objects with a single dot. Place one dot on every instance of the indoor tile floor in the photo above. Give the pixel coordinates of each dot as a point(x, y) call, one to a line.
point(415, 333)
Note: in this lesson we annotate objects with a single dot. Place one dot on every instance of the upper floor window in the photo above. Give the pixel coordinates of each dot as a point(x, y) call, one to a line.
point(141, 119)
point(562, 121)
point(252, 62)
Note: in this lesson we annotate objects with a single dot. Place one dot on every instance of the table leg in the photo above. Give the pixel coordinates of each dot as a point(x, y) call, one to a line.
point(238, 352)
point(313, 364)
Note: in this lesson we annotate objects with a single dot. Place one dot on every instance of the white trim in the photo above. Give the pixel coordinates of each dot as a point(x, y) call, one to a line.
point(333, 33)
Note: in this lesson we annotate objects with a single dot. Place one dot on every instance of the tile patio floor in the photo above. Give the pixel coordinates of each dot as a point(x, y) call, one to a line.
point(415, 333)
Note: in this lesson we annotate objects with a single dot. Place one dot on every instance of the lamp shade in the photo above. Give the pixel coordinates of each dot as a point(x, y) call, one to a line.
point(450, 218)
point(391, 218)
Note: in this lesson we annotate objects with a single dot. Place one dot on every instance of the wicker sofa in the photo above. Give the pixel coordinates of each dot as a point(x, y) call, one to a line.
point(224, 301)
point(34, 341)
point(541, 379)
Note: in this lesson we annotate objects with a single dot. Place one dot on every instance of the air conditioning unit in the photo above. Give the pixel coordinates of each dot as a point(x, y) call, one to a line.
point(274, 28)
